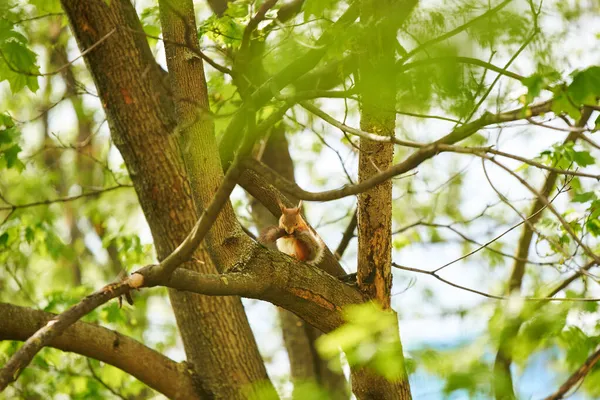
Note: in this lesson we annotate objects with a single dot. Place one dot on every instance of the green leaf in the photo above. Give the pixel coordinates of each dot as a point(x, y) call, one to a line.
point(534, 83)
point(4, 239)
point(10, 158)
point(584, 197)
point(583, 158)
point(17, 62)
point(6, 121)
point(9, 135)
point(563, 103)
point(29, 234)
point(585, 86)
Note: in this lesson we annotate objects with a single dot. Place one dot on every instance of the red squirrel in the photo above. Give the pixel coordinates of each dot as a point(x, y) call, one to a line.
point(294, 237)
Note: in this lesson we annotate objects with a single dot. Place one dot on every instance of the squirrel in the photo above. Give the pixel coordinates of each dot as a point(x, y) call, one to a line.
point(294, 237)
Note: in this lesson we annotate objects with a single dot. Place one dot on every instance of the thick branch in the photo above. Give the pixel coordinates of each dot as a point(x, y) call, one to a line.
point(55, 327)
point(307, 291)
point(149, 366)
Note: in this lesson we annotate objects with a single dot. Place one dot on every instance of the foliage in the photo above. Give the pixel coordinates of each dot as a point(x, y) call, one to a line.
point(369, 338)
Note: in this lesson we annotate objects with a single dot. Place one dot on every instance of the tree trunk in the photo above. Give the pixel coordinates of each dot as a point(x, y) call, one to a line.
point(141, 115)
point(378, 101)
point(226, 241)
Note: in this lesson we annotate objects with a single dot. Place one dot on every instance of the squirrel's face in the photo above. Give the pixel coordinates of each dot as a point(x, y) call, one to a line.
point(289, 220)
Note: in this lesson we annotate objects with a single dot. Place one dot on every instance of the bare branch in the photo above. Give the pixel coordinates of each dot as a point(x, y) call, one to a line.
point(493, 296)
point(489, 242)
point(20, 21)
point(470, 240)
point(556, 128)
point(424, 153)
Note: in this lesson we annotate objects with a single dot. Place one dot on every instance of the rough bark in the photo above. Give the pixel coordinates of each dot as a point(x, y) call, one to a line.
point(378, 99)
point(298, 336)
point(157, 371)
point(141, 115)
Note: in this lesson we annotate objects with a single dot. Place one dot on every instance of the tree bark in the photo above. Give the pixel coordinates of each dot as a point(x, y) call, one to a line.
point(378, 101)
point(172, 379)
point(141, 115)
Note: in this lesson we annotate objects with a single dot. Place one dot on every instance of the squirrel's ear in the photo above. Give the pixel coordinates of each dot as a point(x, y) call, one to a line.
point(299, 206)
point(281, 206)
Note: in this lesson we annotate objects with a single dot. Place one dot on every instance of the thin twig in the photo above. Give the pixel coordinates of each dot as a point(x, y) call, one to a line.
point(493, 296)
point(38, 17)
point(487, 243)
point(556, 128)
point(101, 381)
point(13, 207)
point(463, 60)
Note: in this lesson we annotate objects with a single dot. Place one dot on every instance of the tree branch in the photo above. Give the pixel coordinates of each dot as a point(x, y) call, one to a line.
point(253, 23)
point(55, 327)
point(347, 236)
point(577, 376)
point(287, 75)
point(149, 366)
point(63, 199)
point(463, 60)
point(309, 292)
point(493, 296)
